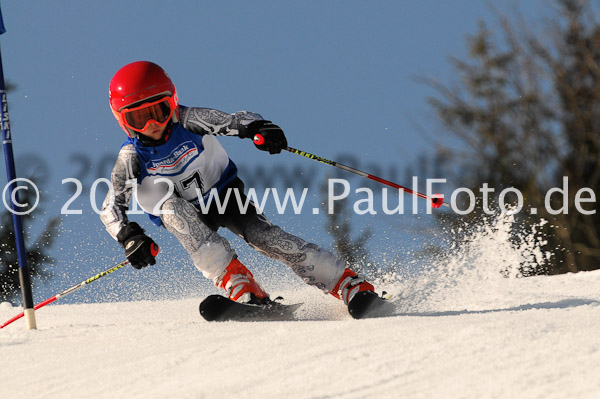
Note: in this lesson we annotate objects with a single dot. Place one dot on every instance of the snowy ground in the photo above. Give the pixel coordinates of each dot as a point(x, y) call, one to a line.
point(541, 342)
point(461, 331)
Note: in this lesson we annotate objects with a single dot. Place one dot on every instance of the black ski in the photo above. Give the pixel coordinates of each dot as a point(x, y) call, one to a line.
point(367, 304)
point(220, 308)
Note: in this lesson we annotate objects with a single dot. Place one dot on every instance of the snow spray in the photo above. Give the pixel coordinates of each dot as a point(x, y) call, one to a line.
point(478, 270)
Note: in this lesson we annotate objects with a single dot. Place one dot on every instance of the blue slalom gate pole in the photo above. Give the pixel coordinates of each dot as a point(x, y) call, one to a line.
point(24, 278)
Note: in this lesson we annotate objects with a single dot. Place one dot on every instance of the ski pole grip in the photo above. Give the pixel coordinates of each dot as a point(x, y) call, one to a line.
point(154, 249)
point(258, 139)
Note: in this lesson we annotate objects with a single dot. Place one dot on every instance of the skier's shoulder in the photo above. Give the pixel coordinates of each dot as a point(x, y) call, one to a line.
point(128, 153)
point(127, 147)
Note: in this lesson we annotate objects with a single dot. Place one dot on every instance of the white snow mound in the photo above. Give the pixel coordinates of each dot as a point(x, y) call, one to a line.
point(462, 330)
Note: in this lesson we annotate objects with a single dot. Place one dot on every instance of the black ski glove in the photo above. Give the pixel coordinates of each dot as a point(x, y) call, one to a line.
point(140, 249)
point(266, 136)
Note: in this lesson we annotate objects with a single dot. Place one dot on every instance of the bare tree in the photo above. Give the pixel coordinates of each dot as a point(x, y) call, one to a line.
point(526, 109)
point(37, 251)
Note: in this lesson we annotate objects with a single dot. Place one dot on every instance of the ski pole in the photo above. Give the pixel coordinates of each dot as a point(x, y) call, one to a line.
point(70, 290)
point(436, 200)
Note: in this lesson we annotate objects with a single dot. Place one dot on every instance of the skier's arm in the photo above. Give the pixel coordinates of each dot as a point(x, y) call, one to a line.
point(140, 249)
point(214, 122)
point(243, 124)
point(127, 167)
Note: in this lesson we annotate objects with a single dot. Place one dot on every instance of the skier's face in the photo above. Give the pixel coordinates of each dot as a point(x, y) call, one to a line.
point(151, 116)
point(154, 131)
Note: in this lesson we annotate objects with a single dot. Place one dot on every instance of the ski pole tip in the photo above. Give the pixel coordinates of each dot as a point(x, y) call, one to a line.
point(437, 200)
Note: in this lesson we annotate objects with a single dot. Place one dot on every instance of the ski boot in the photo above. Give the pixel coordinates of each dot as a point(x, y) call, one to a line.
point(240, 285)
point(349, 285)
point(360, 297)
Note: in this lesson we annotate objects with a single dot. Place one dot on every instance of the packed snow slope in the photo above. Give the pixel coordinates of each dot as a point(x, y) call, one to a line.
point(461, 330)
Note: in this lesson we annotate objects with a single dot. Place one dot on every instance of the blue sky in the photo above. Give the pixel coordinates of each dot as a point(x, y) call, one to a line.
point(338, 76)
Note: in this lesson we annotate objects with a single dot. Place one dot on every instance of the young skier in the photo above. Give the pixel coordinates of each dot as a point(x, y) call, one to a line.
point(174, 158)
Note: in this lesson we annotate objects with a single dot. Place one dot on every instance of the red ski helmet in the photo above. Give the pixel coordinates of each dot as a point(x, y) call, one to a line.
point(136, 83)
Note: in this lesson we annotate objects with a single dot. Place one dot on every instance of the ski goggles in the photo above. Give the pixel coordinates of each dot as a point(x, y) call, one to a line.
point(158, 111)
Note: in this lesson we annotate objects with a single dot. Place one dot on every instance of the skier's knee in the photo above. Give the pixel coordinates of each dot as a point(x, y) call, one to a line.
point(210, 252)
point(175, 208)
